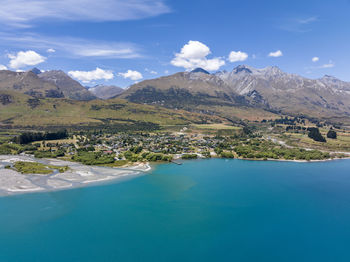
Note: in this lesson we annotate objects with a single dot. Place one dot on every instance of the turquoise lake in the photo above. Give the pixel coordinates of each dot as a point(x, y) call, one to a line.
point(205, 210)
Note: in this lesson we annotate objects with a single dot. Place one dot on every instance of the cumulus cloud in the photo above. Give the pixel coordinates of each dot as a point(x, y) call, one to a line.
point(88, 76)
point(2, 67)
point(194, 54)
point(24, 13)
point(278, 53)
point(131, 74)
point(315, 59)
point(25, 58)
point(237, 56)
point(51, 50)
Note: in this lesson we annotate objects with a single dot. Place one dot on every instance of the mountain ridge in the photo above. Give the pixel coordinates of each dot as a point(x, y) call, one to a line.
point(69, 87)
point(105, 91)
point(268, 88)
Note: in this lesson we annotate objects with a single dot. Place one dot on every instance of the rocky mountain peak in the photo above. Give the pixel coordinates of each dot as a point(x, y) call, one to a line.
point(330, 78)
point(273, 69)
point(70, 87)
point(200, 70)
point(243, 69)
point(36, 71)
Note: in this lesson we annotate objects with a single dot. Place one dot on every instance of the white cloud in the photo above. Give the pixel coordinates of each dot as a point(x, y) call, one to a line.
point(2, 67)
point(299, 24)
point(25, 58)
point(315, 59)
point(307, 20)
point(237, 56)
point(194, 50)
point(166, 72)
point(88, 76)
point(73, 46)
point(24, 13)
point(152, 72)
point(278, 53)
point(133, 75)
point(329, 65)
point(51, 50)
point(194, 54)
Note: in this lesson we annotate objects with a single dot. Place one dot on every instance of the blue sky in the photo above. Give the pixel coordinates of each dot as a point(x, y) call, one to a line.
point(123, 41)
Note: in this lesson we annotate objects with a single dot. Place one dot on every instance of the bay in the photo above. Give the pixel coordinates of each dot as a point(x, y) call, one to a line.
point(203, 210)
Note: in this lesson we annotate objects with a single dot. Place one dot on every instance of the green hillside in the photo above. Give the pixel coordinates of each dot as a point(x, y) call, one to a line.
point(19, 110)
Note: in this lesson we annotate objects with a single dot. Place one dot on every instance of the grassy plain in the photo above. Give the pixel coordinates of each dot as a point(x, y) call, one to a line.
point(37, 168)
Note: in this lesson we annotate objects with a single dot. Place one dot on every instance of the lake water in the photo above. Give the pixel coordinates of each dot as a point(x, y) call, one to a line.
point(205, 210)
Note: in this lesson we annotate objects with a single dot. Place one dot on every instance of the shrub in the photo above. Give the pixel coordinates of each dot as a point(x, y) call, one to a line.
point(189, 156)
point(227, 155)
point(332, 134)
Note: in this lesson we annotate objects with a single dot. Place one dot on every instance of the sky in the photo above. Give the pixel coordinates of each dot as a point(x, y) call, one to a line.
point(120, 42)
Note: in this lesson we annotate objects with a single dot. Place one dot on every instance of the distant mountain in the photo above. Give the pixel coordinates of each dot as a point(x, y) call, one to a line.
point(184, 90)
point(36, 71)
point(200, 70)
point(50, 84)
point(291, 93)
point(70, 88)
point(28, 83)
point(268, 89)
point(106, 92)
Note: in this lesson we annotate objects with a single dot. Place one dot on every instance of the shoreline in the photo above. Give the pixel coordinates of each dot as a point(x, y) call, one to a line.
point(295, 160)
point(78, 175)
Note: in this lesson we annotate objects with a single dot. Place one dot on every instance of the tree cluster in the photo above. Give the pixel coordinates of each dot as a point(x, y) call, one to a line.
point(314, 133)
point(29, 137)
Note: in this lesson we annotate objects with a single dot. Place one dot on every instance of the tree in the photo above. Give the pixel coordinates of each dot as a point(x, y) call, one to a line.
point(332, 134)
point(314, 133)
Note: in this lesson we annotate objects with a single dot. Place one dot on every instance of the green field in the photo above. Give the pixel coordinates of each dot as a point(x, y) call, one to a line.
point(37, 168)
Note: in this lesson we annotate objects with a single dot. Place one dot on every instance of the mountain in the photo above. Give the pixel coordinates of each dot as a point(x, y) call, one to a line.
point(36, 71)
point(18, 110)
point(199, 92)
point(268, 89)
point(200, 70)
point(70, 88)
point(105, 92)
point(291, 93)
point(185, 90)
point(49, 84)
point(28, 83)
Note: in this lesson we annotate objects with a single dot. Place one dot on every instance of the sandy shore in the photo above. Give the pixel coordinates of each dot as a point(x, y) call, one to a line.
point(78, 175)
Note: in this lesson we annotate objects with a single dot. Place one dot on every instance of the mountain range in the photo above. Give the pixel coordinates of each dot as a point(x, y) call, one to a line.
point(268, 89)
point(243, 93)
